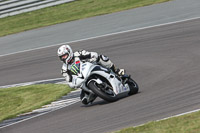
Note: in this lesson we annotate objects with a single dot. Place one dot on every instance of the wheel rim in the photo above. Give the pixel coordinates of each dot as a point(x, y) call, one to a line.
point(133, 83)
point(108, 92)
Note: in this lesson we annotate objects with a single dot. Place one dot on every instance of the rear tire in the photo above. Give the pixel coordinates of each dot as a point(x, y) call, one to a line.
point(134, 88)
point(109, 98)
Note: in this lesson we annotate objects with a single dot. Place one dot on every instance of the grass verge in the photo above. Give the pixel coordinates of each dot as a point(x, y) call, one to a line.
point(67, 12)
point(18, 100)
point(189, 123)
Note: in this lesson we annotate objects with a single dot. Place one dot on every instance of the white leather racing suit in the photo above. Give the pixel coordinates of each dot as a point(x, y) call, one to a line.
point(84, 55)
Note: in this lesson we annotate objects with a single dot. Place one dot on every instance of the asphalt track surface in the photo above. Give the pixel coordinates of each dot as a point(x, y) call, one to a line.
point(174, 10)
point(164, 60)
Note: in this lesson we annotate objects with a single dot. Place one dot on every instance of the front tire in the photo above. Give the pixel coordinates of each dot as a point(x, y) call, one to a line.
point(99, 91)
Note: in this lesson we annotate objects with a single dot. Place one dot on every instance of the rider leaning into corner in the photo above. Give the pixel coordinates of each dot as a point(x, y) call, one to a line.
point(67, 56)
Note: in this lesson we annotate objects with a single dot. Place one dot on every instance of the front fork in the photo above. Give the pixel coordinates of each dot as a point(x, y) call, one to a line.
point(85, 88)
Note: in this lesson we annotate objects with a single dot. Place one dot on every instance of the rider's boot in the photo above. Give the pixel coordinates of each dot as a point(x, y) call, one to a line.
point(107, 63)
point(118, 71)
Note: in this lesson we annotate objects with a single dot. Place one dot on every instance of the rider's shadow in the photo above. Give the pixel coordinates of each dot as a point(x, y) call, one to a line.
point(98, 101)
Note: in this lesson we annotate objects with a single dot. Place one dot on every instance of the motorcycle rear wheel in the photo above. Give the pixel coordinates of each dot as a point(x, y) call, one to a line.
point(134, 88)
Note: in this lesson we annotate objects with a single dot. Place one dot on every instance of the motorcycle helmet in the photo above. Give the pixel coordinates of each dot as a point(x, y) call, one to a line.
point(65, 53)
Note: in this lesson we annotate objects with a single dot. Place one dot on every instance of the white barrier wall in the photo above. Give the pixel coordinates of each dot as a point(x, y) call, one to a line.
point(14, 7)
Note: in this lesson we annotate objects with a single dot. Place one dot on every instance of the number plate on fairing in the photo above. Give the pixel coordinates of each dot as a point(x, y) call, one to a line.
point(124, 88)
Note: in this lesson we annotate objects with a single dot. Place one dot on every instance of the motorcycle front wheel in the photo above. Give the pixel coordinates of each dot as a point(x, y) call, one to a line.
point(105, 93)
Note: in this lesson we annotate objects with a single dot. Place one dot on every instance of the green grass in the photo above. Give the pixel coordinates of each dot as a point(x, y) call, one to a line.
point(18, 100)
point(67, 12)
point(189, 123)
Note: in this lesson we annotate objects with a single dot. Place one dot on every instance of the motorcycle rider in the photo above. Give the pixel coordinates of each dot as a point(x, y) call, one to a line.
point(68, 58)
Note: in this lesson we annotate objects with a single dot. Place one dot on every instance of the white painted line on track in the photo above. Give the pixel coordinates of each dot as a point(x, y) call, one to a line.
point(181, 114)
point(32, 117)
point(193, 111)
point(90, 39)
point(31, 83)
point(115, 33)
point(49, 109)
point(54, 105)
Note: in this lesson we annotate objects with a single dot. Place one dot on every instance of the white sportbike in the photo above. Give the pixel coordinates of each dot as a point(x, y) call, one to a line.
point(103, 82)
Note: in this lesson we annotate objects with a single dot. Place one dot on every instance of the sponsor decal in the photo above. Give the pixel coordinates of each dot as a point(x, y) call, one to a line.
point(75, 68)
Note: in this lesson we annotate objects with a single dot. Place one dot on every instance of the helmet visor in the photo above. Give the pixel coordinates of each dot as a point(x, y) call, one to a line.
point(64, 57)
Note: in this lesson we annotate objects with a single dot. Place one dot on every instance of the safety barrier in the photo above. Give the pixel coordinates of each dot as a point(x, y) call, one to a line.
point(14, 7)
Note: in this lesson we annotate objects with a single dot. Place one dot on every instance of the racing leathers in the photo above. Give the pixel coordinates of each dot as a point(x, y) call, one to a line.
point(83, 55)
